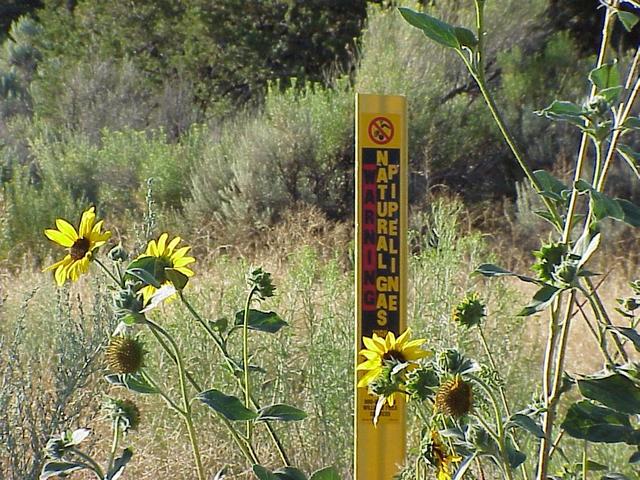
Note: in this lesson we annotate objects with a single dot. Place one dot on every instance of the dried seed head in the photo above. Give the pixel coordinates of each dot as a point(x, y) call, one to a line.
point(454, 397)
point(125, 354)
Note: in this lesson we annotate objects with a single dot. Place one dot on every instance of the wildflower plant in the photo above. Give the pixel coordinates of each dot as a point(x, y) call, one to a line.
point(140, 287)
point(470, 423)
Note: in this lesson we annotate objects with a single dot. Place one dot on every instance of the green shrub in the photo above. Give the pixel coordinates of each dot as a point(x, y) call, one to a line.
point(297, 150)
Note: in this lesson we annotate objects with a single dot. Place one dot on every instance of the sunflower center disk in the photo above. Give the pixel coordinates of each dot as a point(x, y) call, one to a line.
point(79, 249)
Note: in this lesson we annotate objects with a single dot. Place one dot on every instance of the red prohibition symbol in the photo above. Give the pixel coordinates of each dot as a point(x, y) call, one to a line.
point(380, 130)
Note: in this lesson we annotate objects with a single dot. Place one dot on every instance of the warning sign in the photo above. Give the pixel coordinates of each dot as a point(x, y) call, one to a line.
point(380, 130)
point(381, 269)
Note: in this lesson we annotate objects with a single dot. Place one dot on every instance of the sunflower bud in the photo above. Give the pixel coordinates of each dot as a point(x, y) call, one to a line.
point(385, 384)
point(470, 311)
point(454, 397)
point(56, 447)
point(127, 304)
point(125, 354)
point(118, 254)
point(123, 413)
point(261, 280)
point(564, 275)
point(548, 258)
point(421, 383)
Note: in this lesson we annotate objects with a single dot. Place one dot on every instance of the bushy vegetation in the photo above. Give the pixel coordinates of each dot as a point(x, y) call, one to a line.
point(90, 118)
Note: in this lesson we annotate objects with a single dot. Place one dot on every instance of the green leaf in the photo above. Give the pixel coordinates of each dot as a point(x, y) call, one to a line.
point(631, 212)
point(627, 19)
point(327, 473)
point(541, 300)
point(614, 476)
point(515, 456)
point(147, 269)
point(280, 412)
point(526, 423)
point(268, 322)
point(290, 473)
point(629, 333)
point(219, 325)
point(263, 474)
point(631, 157)
point(592, 466)
point(491, 270)
point(567, 111)
point(119, 464)
point(179, 280)
point(605, 76)
point(227, 405)
point(614, 391)
point(54, 469)
point(604, 206)
point(551, 186)
point(588, 421)
point(465, 36)
point(131, 381)
point(435, 29)
point(635, 457)
point(612, 94)
point(632, 123)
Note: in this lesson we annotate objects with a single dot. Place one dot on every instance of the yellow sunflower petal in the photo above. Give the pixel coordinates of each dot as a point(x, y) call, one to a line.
point(379, 341)
point(368, 365)
point(368, 378)
point(390, 341)
point(391, 399)
point(86, 223)
point(66, 228)
point(415, 343)
point(61, 275)
point(185, 271)
point(181, 262)
point(173, 244)
point(162, 244)
point(59, 237)
point(152, 250)
point(369, 355)
point(181, 252)
point(65, 261)
point(403, 338)
point(373, 346)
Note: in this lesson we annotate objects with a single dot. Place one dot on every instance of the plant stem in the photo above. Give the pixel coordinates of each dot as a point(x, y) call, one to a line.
point(552, 395)
point(477, 72)
point(162, 393)
point(185, 398)
point(500, 432)
point(90, 462)
point(245, 358)
point(272, 434)
point(602, 315)
point(585, 463)
point(501, 391)
point(107, 271)
point(584, 142)
point(114, 445)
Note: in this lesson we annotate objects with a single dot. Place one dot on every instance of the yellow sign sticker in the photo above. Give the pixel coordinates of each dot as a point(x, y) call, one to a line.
point(381, 269)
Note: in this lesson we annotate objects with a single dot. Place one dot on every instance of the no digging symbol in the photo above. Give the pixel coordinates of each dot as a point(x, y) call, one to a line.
point(381, 130)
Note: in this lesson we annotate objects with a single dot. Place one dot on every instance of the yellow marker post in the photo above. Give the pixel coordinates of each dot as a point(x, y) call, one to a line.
point(381, 268)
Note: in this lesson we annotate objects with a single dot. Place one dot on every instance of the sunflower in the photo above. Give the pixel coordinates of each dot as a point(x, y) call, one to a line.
point(389, 352)
point(439, 456)
point(168, 258)
point(80, 244)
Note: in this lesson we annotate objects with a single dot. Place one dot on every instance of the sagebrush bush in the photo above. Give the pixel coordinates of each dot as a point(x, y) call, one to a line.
point(296, 150)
